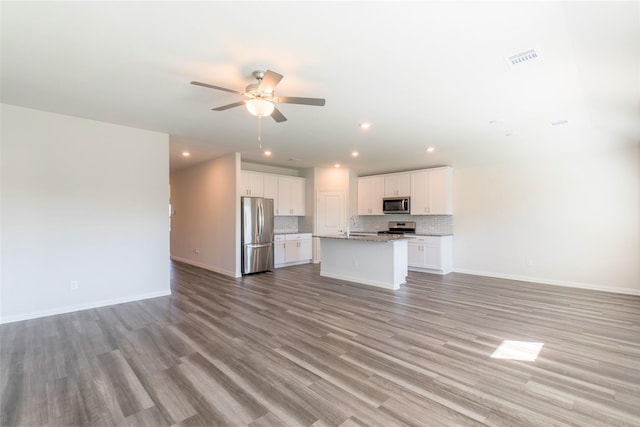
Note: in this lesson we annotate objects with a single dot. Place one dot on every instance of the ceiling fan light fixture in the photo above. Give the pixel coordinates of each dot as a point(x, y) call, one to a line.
point(260, 107)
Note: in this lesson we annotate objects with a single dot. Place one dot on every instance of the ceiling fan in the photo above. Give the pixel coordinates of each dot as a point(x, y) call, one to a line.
point(260, 97)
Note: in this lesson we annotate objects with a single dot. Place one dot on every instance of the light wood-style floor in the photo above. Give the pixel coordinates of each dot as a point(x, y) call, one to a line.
point(290, 348)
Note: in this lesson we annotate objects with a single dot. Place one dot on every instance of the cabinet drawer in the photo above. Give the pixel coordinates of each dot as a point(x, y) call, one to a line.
point(279, 238)
point(301, 236)
point(434, 240)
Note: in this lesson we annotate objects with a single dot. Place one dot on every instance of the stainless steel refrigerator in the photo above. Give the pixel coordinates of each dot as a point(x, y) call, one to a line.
point(257, 234)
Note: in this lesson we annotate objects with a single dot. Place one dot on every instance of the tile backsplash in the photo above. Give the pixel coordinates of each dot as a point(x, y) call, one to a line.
point(424, 223)
point(285, 224)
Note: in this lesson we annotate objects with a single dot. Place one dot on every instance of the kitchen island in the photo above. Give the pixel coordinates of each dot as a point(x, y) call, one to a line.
point(372, 260)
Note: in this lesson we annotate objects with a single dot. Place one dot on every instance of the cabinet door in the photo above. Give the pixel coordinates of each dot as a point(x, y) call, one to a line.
point(291, 196)
point(431, 192)
point(440, 191)
point(279, 252)
point(397, 184)
point(415, 255)
point(305, 250)
point(271, 190)
point(297, 199)
point(420, 193)
point(432, 257)
point(251, 184)
point(292, 251)
point(370, 194)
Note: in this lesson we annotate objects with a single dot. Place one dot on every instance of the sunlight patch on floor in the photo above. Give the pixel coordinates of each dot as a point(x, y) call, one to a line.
point(518, 350)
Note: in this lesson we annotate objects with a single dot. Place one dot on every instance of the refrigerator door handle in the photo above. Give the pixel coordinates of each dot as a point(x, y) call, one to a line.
point(258, 245)
point(260, 219)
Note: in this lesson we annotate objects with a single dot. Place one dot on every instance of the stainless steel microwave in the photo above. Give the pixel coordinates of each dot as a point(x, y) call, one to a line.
point(396, 205)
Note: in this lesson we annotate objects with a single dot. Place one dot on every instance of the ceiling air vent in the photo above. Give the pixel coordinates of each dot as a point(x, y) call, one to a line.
point(523, 57)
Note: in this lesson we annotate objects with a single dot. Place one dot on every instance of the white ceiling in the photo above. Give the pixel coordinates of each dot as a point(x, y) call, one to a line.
point(424, 73)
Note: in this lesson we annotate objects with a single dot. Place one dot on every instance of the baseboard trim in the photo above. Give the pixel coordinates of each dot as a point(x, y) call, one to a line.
point(206, 267)
point(360, 281)
point(80, 307)
point(289, 264)
point(625, 291)
point(429, 270)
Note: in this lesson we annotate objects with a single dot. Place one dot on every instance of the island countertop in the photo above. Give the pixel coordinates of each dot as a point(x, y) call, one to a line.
point(367, 238)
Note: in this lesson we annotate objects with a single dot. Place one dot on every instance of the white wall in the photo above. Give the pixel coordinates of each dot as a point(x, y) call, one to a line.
point(206, 216)
point(570, 220)
point(82, 201)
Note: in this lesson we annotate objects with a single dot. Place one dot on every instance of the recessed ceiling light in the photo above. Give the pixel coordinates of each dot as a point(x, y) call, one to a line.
point(267, 153)
point(559, 122)
point(354, 154)
point(337, 165)
point(186, 153)
point(431, 149)
point(365, 125)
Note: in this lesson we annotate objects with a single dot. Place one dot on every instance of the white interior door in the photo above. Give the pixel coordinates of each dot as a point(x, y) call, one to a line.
point(330, 217)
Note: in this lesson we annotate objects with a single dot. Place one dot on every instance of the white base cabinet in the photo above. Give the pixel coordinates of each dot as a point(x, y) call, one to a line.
point(292, 249)
point(431, 254)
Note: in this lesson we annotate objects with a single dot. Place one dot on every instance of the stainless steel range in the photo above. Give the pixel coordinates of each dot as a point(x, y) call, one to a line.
point(395, 227)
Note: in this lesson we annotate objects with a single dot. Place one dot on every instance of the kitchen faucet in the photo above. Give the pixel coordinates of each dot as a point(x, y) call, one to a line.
point(355, 222)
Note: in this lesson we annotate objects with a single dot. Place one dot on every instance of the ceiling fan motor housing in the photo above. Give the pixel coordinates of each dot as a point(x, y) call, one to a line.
point(253, 91)
point(261, 96)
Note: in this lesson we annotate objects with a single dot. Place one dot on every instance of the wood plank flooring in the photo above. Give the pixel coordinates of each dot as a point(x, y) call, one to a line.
point(290, 348)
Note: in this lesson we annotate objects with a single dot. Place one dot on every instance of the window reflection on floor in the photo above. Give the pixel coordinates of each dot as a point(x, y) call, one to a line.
point(518, 350)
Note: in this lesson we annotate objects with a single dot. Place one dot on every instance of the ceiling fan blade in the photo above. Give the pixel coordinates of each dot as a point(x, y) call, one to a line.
point(269, 81)
point(278, 116)
point(226, 107)
point(216, 87)
point(306, 101)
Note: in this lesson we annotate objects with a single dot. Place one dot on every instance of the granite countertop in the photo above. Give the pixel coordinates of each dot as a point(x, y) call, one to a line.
point(431, 234)
point(291, 232)
point(408, 234)
point(367, 238)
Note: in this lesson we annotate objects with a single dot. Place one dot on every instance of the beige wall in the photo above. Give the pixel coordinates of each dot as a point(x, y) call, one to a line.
point(83, 202)
point(570, 220)
point(205, 229)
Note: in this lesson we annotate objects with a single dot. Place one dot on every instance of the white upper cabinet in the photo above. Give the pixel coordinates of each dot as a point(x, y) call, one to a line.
point(397, 184)
point(271, 190)
point(431, 191)
point(370, 194)
point(290, 196)
point(287, 192)
point(251, 184)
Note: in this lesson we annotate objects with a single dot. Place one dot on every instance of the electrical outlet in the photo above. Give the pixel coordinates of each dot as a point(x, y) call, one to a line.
point(74, 285)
